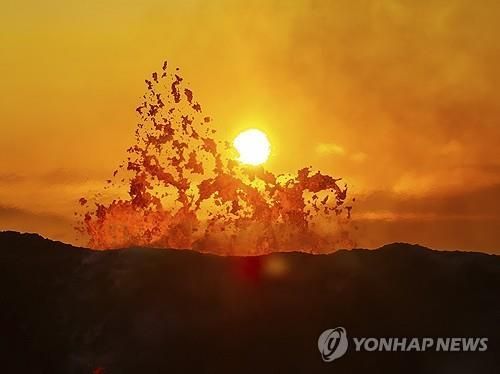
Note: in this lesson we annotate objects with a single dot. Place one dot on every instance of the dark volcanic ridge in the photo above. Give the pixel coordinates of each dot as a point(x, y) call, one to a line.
point(71, 310)
point(23, 238)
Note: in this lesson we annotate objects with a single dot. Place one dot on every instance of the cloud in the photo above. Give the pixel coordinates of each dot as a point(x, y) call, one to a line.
point(358, 157)
point(47, 224)
point(330, 149)
point(67, 176)
point(57, 176)
point(11, 178)
point(453, 147)
point(466, 220)
point(457, 234)
point(474, 202)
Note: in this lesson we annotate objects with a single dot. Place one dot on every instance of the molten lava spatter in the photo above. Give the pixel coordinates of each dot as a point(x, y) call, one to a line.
point(186, 190)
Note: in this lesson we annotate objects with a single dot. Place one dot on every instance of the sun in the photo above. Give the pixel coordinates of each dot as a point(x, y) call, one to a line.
point(253, 146)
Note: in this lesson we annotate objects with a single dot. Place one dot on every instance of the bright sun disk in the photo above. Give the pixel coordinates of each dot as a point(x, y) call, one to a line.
point(253, 146)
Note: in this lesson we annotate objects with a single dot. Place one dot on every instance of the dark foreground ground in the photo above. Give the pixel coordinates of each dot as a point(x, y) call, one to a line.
point(70, 310)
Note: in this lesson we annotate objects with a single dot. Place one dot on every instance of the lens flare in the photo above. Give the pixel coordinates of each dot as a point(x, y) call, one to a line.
point(253, 146)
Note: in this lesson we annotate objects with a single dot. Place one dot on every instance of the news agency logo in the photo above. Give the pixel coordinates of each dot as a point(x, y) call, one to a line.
point(333, 344)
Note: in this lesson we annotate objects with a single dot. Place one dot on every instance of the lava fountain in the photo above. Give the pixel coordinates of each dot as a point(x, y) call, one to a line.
point(183, 188)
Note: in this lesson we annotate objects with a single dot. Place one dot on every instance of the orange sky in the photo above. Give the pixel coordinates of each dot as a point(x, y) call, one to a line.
point(398, 97)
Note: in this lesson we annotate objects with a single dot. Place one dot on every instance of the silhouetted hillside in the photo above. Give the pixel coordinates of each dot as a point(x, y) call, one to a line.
point(71, 310)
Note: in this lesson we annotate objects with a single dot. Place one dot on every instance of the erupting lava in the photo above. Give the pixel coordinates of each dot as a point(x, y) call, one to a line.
point(185, 189)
